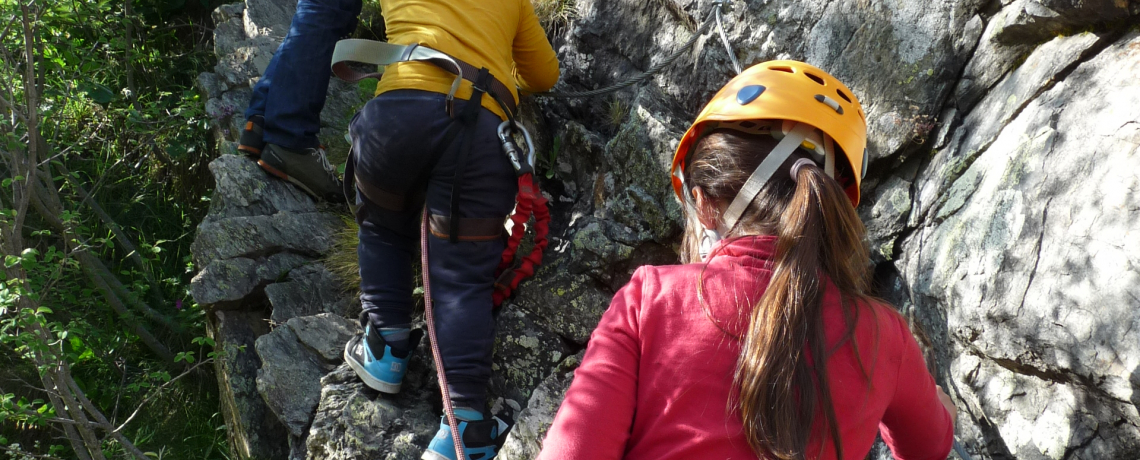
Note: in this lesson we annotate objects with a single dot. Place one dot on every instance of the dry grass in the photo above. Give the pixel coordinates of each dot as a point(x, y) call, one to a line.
point(555, 15)
point(617, 111)
point(341, 261)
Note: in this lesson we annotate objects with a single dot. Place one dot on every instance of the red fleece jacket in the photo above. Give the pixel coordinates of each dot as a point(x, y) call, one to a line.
point(656, 379)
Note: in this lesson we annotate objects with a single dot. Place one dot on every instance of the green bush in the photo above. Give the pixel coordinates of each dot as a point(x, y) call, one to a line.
point(126, 144)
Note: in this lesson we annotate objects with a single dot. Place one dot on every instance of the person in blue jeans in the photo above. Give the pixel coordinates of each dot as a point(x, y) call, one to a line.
point(283, 117)
point(409, 160)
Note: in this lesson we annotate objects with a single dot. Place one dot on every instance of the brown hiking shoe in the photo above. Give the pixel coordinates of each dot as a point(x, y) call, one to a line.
point(251, 141)
point(308, 169)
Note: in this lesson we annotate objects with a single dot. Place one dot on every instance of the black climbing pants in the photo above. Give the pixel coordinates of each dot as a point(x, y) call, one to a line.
point(396, 139)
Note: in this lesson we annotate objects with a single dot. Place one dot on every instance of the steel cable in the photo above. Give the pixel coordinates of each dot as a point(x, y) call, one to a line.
point(644, 75)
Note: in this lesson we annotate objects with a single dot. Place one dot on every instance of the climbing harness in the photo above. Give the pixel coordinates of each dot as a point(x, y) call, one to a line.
point(382, 54)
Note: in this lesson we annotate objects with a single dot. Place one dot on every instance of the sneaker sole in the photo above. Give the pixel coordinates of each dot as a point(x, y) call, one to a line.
point(429, 455)
point(368, 379)
point(276, 172)
point(251, 151)
point(503, 428)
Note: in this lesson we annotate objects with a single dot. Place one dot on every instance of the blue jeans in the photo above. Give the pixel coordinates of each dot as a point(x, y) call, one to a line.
point(396, 138)
point(292, 92)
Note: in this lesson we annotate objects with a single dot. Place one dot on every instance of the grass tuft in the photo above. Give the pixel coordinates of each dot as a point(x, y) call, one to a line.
point(555, 15)
point(342, 261)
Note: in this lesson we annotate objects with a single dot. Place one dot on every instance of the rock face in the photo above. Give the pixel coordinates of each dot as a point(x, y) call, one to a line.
point(1001, 204)
point(1030, 253)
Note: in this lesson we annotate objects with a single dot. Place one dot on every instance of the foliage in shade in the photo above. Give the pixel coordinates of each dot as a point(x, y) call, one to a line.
point(127, 145)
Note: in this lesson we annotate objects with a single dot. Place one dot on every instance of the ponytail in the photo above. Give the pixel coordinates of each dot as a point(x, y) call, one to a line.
point(819, 239)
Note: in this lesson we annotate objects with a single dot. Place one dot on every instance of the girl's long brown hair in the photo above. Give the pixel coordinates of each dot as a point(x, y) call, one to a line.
point(819, 239)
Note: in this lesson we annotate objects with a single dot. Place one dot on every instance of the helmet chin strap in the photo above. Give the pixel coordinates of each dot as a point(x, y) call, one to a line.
point(760, 176)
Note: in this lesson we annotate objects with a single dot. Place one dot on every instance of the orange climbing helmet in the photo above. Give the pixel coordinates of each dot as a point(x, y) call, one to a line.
point(775, 98)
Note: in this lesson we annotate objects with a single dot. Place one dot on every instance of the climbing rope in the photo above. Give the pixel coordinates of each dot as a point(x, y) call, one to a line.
point(714, 17)
point(448, 410)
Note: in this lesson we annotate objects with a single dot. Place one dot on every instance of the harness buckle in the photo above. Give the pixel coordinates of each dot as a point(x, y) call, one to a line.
point(523, 165)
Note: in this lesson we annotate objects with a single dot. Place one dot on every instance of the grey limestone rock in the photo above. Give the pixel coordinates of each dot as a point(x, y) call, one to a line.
point(294, 357)
point(309, 290)
point(354, 422)
point(525, 439)
point(1004, 101)
point(525, 353)
point(258, 229)
point(1032, 21)
point(243, 189)
point(326, 334)
point(211, 85)
point(1029, 256)
point(289, 378)
point(309, 234)
point(268, 18)
point(229, 280)
point(254, 432)
point(885, 215)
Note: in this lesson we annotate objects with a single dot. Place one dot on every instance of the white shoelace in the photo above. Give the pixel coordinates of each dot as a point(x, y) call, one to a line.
point(320, 154)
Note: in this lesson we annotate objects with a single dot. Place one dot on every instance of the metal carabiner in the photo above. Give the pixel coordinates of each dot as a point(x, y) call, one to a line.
point(523, 165)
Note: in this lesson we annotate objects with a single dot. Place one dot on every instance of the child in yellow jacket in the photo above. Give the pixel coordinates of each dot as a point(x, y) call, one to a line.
point(404, 159)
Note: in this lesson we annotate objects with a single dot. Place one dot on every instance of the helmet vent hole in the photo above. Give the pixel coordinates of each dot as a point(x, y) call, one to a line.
point(782, 68)
point(815, 78)
point(843, 95)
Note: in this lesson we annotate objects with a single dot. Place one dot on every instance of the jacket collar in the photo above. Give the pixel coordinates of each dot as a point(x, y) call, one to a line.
point(754, 246)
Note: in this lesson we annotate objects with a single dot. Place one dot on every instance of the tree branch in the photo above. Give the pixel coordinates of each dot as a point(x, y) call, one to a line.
point(49, 205)
point(157, 390)
point(85, 260)
point(106, 425)
point(91, 267)
point(128, 17)
point(120, 236)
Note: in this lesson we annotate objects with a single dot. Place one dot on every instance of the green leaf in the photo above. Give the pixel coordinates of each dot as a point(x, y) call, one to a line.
point(176, 150)
point(98, 93)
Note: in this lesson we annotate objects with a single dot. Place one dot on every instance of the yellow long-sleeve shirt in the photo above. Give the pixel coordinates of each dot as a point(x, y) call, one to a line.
point(502, 35)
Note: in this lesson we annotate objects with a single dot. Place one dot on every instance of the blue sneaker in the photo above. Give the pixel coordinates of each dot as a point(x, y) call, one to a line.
point(481, 438)
point(386, 373)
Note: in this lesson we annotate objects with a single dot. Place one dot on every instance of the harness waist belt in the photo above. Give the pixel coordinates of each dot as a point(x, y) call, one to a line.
point(382, 54)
